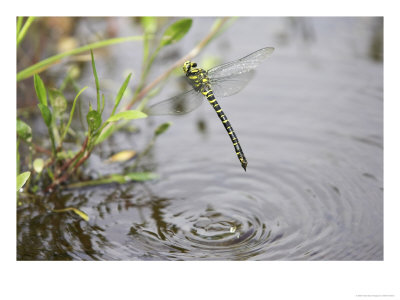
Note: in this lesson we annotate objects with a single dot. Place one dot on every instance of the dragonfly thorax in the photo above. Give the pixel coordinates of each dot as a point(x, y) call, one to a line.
point(197, 77)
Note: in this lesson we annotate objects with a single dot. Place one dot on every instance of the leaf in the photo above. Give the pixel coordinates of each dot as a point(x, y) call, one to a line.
point(24, 131)
point(38, 165)
point(58, 101)
point(19, 24)
point(96, 79)
point(162, 128)
point(75, 210)
point(106, 132)
point(21, 33)
point(116, 178)
point(175, 32)
point(46, 63)
point(141, 176)
point(46, 114)
point(127, 115)
point(93, 119)
point(72, 113)
point(122, 156)
point(121, 93)
point(21, 179)
point(40, 89)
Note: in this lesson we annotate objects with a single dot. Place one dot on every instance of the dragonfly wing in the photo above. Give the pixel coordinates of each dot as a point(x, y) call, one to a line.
point(228, 79)
point(230, 85)
point(243, 65)
point(178, 105)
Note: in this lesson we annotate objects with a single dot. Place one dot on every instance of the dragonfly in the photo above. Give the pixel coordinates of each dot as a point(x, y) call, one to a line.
point(221, 81)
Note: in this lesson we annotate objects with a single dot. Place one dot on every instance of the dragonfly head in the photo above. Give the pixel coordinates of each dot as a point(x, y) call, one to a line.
point(188, 65)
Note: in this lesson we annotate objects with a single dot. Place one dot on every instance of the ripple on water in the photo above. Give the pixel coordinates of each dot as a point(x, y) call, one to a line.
point(285, 214)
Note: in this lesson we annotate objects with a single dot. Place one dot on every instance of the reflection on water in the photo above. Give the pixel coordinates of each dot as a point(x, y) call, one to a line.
point(311, 127)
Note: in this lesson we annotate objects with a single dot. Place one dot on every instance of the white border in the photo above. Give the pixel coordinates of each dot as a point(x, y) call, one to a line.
point(200, 280)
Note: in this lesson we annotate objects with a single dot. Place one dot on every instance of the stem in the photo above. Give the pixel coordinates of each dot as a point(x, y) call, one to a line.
point(53, 145)
point(66, 176)
point(67, 164)
point(77, 157)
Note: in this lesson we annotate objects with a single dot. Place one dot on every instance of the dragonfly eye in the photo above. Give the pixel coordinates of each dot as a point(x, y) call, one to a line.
point(194, 65)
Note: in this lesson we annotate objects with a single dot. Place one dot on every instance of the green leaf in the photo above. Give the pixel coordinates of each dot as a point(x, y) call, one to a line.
point(141, 176)
point(162, 128)
point(96, 79)
point(40, 89)
point(121, 93)
point(21, 179)
point(46, 63)
point(127, 115)
point(24, 131)
point(72, 113)
point(58, 101)
point(105, 133)
point(38, 165)
point(19, 24)
point(116, 178)
point(175, 32)
point(75, 210)
point(21, 33)
point(46, 114)
point(93, 119)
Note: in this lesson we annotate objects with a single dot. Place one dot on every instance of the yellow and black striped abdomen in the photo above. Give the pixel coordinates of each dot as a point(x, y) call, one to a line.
point(214, 103)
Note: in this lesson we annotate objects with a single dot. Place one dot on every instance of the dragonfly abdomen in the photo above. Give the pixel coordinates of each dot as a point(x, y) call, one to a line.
point(238, 149)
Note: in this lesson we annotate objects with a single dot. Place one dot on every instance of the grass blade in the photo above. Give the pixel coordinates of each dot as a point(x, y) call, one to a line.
point(46, 63)
point(121, 93)
point(24, 30)
point(96, 79)
point(116, 178)
point(72, 113)
point(19, 24)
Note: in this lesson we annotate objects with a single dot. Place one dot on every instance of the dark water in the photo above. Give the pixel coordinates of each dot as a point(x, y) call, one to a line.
point(311, 126)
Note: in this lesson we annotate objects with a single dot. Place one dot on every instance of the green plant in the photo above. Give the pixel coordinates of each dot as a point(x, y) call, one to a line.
point(61, 165)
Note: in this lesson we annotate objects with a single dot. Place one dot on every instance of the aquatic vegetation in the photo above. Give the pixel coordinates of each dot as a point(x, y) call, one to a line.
point(59, 166)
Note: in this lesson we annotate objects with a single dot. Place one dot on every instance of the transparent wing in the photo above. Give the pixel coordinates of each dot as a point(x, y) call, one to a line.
point(178, 105)
point(243, 65)
point(228, 79)
point(230, 85)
